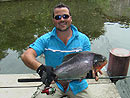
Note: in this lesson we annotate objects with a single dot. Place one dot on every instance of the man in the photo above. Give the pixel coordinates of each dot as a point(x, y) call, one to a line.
point(62, 40)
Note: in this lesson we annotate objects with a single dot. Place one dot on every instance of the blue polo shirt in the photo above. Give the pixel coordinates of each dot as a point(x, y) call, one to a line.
point(55, 50)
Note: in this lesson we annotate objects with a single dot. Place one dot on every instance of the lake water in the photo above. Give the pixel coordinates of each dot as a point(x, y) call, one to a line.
point(106, 23)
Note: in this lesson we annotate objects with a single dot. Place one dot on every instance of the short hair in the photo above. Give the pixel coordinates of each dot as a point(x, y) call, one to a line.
point(61, 5)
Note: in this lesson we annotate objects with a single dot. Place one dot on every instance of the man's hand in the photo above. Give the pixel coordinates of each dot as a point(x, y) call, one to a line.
point(47, 74)
point(95, 74)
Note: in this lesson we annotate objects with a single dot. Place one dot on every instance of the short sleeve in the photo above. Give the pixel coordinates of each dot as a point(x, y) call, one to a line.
point(87, 44)
point(38, 46)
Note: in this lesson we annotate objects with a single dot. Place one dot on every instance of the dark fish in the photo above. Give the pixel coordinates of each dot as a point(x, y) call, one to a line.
point(77, 65)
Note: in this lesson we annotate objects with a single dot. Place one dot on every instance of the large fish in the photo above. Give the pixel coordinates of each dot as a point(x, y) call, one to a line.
point(77, 65)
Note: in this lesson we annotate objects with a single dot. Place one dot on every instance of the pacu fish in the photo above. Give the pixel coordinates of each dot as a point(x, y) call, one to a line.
point(77, 65)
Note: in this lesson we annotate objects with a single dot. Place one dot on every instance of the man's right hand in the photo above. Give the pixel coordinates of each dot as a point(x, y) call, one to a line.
point(47, 74)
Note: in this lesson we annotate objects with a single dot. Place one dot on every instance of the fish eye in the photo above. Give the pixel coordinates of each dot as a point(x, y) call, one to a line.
point(103, 58)
point(95, 61)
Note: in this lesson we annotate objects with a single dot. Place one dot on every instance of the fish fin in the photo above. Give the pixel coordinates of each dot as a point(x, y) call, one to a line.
point(57, 66)
point(69, 56)
point(64, 84)
point(80, 80)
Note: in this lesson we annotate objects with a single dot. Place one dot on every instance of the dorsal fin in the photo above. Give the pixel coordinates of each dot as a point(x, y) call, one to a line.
point(69, 56)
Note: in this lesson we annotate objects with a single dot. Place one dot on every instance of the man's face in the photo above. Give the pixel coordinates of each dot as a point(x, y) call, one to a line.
point(62, 24)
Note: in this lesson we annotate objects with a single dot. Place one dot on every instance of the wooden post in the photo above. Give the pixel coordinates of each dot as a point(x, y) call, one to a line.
point(118, 63)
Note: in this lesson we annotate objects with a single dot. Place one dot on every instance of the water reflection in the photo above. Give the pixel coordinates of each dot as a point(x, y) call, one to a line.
point(21, 22)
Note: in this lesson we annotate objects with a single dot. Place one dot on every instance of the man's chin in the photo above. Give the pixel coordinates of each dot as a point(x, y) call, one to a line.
point(63, 30)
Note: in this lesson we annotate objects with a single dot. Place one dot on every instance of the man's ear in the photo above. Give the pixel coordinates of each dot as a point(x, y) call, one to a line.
point(71, 18)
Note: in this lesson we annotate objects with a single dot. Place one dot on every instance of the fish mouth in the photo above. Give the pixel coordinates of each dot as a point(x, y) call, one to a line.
point(99, 67)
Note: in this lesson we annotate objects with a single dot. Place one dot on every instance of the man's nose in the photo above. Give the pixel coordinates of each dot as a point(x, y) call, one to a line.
point(62, 19)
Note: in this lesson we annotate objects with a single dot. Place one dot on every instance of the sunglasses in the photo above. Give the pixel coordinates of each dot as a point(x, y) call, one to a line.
point(58, 17)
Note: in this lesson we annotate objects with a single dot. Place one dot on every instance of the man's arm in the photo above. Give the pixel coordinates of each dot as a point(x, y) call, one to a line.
point(45, 72)
point(29, 59)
